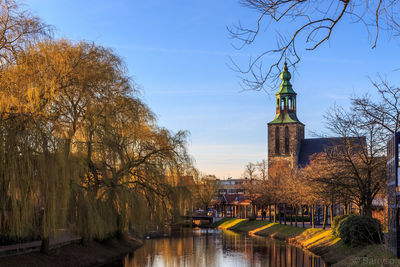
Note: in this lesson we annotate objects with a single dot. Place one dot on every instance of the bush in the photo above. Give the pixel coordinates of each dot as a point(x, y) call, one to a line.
point(337, 221)
point(299, 218)
point(360, 230)
point(252, 218)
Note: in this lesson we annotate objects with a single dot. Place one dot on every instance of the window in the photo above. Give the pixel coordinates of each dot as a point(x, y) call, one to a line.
point(277, 140)
point(283, 104)
point(277, 103)
point(290, 104)
point(286, 140)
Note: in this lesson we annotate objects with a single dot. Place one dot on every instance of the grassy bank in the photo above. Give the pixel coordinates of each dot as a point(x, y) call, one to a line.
point(321, 242)
point(91, 254)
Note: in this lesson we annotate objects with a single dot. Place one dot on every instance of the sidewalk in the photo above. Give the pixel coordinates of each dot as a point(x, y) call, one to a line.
point(61, 238)
point(300, 224)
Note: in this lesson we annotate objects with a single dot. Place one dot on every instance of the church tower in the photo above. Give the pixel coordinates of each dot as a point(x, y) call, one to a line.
point(285, 132)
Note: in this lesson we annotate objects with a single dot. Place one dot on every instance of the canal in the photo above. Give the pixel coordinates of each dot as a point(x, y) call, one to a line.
point(211, 247)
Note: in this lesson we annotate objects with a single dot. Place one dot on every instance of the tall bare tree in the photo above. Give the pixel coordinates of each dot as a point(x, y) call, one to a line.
point(262, 167)
point(205, 190)
point(311, 23)
point(359, 157)
point(386, 111)
point(18, 28)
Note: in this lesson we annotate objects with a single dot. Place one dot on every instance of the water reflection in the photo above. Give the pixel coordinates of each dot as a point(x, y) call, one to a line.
point(204, 247)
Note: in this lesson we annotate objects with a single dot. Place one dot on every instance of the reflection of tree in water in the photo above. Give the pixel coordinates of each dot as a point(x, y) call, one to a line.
point(211, 248)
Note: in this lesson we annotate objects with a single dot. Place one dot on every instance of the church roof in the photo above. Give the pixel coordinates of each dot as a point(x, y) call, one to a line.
point(289, 117)
point(311, 146)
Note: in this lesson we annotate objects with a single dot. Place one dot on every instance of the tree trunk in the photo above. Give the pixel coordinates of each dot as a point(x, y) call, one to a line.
point(325, 211)
point(270, 216)
point(45, 246)
point(302, 215)
point(367, 209)
point(275, 212)
point(284, 213)
point(312, 215)
point(280, 214)
point(291, 217)
point(332, 215)
point(295, 215)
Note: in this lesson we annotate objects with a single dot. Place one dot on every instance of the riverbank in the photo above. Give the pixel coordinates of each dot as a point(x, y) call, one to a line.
point(320, 242)
point(77, 255)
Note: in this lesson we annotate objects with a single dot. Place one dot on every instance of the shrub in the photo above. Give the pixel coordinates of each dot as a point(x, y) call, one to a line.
point(337, 221)
point(360, 230)
point(299, 218)
point(252, 218)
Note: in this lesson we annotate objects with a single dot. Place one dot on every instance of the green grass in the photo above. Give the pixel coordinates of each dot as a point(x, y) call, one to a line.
point(216, 224)
point(229, 222)
point(281, 231)
point(247, 226)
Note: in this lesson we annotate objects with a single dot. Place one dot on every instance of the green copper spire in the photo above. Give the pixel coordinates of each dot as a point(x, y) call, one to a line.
point(285, 100)
point(286, 86)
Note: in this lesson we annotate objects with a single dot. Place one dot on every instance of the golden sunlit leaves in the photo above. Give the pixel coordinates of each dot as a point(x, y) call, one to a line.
point(98, 161)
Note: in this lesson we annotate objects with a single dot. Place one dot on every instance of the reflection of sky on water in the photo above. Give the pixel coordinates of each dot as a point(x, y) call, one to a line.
point(214, 248)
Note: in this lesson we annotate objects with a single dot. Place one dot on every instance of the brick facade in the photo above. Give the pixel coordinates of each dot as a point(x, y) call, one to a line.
point(290, 155)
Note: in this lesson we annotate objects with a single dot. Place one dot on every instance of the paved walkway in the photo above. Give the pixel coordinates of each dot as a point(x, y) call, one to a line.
point(61, 238)
point(306, 224)
point(299, 224)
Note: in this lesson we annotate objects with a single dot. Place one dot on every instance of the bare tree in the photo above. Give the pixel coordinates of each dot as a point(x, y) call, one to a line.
point(359, 159)
point(315, 23)
point(204, 191)
point(18, 27)
point(262, 167)
point(250, 171)
point(251, 185)
point(385, 112)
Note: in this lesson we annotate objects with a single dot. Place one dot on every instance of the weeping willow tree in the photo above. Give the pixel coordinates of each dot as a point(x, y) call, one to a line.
point(134, 164)
point(79, 150)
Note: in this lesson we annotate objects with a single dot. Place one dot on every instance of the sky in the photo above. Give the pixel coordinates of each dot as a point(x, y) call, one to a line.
point(178, 52)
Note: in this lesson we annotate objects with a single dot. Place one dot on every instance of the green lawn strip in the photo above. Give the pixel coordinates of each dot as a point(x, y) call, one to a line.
point(281, 231)
point(218, 223)
point(246, 226)
point(229, 223)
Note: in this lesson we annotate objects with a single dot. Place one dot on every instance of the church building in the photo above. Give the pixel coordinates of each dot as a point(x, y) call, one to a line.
point(286, 140)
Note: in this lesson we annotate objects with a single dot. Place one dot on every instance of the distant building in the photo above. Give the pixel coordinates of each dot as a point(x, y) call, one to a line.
point(230, 199)
point(230, 186)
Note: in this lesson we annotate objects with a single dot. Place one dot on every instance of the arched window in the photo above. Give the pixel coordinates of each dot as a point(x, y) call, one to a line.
point(283, 104)
point(277, 140)
point(290, 104)
point(286, 140)
point(277, 103)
